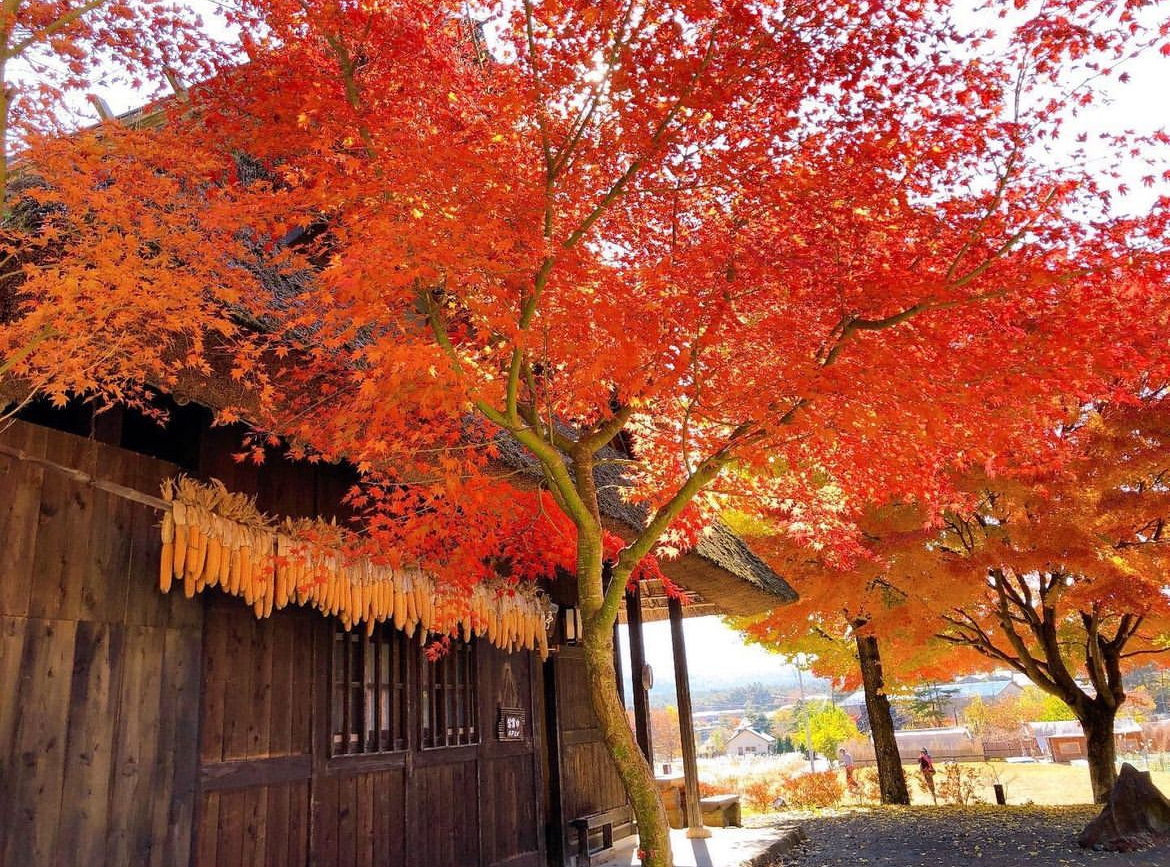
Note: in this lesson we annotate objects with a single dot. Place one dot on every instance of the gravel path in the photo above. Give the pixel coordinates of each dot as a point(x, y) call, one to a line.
point(954, 836)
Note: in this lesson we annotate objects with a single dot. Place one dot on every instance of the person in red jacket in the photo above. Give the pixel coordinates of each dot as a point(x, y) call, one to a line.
point(926, 766)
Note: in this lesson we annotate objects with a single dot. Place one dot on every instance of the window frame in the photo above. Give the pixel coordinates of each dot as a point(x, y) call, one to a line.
point(454, 694)
point(369, 677)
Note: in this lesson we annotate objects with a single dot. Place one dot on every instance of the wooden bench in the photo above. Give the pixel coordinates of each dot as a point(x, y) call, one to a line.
point(721, 811)
point(604, 823)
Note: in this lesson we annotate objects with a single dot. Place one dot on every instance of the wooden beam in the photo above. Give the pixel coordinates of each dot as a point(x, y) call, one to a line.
point(682, 685)
point(637, 666)
point(86, 479)
point(100, 106)
point(617, 665)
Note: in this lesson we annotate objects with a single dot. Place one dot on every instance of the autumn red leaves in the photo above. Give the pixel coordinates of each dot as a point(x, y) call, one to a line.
point(798, 262)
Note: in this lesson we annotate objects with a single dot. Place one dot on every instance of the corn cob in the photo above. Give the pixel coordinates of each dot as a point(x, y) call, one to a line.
point(166, 565)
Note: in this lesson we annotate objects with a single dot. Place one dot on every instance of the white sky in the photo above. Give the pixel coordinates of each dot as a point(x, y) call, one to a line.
point(714, 653)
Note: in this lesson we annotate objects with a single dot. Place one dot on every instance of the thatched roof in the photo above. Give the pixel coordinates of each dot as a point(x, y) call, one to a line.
point(721, 574)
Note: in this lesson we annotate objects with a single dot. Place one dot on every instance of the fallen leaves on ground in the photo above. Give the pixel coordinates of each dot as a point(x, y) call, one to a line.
point(952, 836)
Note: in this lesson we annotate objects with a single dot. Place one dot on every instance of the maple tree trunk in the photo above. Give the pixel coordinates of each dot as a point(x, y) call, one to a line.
point(891, 778)
point(597, 640)
point(1097, 722)
point(636, 773)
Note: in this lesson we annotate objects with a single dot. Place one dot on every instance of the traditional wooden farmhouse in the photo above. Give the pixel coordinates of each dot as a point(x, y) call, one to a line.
point(146, 728)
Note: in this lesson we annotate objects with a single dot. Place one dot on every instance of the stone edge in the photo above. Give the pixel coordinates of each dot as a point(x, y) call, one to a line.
point(790, 837)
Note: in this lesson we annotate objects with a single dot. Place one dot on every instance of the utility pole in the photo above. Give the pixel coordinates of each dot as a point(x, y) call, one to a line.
point(798, 662)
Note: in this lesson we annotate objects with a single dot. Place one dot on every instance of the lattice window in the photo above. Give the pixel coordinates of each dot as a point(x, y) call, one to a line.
point(369, 691)
point(450, 713)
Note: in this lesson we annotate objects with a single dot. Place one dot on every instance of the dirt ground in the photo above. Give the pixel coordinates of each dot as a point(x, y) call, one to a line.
point(957, 836)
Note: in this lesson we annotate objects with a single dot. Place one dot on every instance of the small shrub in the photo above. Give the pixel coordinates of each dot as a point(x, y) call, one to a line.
point(918, 779)
point(959, 784)
point(707, 789)
point(869, 788)
point(760, 793)
point(822, 789)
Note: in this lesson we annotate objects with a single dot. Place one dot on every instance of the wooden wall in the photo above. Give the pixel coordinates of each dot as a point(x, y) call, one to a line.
point(583, 778)
point(143, 729)
point(272, 796)
point(100, 672)
point(270, 793)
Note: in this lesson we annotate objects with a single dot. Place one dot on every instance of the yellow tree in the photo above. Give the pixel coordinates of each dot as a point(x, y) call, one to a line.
point(666, 735)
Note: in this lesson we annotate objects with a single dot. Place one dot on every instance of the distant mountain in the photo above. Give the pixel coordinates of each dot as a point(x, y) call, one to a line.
point(709, 692)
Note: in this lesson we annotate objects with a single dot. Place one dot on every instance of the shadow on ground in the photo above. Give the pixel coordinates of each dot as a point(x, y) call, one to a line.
point(946, 836)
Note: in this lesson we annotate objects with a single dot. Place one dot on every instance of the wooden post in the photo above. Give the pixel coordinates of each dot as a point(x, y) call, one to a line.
point(682, 685)
point(637, 666)
point(617, 665)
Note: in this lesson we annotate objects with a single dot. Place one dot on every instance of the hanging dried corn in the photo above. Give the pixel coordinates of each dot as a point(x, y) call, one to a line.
point(214, 538)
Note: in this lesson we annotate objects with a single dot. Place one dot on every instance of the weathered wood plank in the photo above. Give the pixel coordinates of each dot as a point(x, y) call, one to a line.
point(206, 849)
point(216, 449)
point(347, 820)
point(12, 631)
point(247, 773)
point(298, 825)
point(333, 483)
point(238, 698)
point(146, 606)
point(260, 661)
point(103, 584)
point(467, 807)
point(287, 488)
point(364, 821)
point(232, 823)
point(399, 813)
point(136, 748)
point(217, 663)
point(255, 827)
point(173, 817)
point(385, 826)
point(60, 560)
point(31, 794)
point(326, 814)
point(281, 697)
point(305, 687)
point(20, 499)
point(277, 817)
point(97, 662)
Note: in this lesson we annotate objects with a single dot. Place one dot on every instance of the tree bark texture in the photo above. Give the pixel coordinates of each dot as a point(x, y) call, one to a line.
point(891, 778)
point(632, 767)
point(1097, 721)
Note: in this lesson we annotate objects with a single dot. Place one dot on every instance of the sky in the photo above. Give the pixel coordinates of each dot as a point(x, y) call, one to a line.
point(714, 653)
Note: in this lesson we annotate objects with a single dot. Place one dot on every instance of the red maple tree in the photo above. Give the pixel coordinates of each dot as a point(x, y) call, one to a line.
point(1057, 573)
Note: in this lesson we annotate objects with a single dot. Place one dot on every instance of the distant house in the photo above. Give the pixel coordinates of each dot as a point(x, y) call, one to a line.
point(990, 691)
point(1064, 740)
point(944, 745)
point(749, 742)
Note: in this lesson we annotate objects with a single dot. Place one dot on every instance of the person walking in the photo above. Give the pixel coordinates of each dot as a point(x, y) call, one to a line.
point(926, 766)
point(845, 759)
